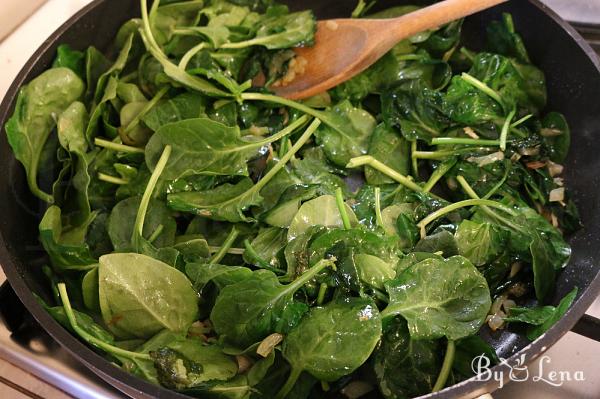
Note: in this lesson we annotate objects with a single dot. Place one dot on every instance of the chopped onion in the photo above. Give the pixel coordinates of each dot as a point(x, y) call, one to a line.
point(515, 157)
point(244, 363)
point(497, 304)
point(514, 269)
point(487, 159)
point(496, 321)
point(557, 195)
point(545, 132)
point(470, 132)
point(356, 389)
point(517, 290)
point(529, 151)
point(554, 220)
point(555, 169)
point(559, 181)
point(268, 344)
point(508, 304)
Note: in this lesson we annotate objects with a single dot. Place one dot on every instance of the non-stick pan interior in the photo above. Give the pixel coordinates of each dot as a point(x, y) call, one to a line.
point(573, 86)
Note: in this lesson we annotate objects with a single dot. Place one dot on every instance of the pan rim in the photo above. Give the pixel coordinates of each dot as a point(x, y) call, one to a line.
point(130, 383)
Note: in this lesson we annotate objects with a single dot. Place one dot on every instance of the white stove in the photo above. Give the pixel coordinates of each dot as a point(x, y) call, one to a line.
point(36, 353)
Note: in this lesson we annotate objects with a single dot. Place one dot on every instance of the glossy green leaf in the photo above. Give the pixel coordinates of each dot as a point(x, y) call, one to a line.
point(454, 305)
point(140, 296)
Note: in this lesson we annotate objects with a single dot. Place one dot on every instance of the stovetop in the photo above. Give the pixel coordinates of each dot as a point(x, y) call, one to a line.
point(31, 349)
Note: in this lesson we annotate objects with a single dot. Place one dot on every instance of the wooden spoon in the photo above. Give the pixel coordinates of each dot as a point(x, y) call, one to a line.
point(345, 47)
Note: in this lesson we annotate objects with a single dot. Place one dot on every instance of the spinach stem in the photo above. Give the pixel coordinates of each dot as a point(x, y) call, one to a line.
point(443, 154)
point(156, 233)
point(458, 205)
point(467, 53)
point(415, 161)
point(440, 172)
point(478, 84)
point(64, 297)
point(380, 295)
point(112, 179)
point(520, 121)
point(292, 104)
point(321, 296)
point(506, 129)
point(440, 383)
point(339, 200)
point(286, 158)
point(499, 184)
point(149, 105)
point(117, 147)
point(289, 129)
point(263, 264)
point(471, 193)
point(378, 217)
point(187, 57)
point(466, 187)
point(228, 243)
point(171, 70)
point(231, 251)
point(289, 384)
point(140, 218)
point(310, 274)
point(464, 141)
point(386, 170)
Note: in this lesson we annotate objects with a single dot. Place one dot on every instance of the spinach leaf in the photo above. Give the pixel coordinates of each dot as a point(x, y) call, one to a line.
point(405, 367)
point(557, 136)
point(388, 147)
point(518, 84)
point(535, 316)
point(37, 105)
point(322, 211)
point(283, 31)
point(66, 57)
point(266, 247)
point(136, 302)
point(89, 290)
point(248, 311)
point(481, 243)
point(228, 202)
point(201, 363)
point(332, 341)
point(374, 271)
point(225, 202)
point(84, 321)
point(95, 65)
point(442, 241)
point(468, 349)
point(220, 275)
point(282, 214)
point(467, 105)
point(189, 105)
point(66, 247)
point(503, 39)
point(159, 224)
point(416, 110)
point(71, 135)
point(203, 146)
point(454, 305)
point(346, 133)
point(541, 318)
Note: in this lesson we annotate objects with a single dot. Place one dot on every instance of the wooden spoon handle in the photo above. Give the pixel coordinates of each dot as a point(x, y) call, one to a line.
point(435, 16)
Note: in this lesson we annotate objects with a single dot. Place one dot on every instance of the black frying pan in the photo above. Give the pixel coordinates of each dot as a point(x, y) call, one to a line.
point(573, 73)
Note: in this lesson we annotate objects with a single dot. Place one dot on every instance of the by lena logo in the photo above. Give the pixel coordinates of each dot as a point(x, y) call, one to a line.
point(519, 372)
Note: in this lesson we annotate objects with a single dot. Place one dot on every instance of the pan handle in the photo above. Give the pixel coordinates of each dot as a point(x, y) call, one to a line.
point(589, 327)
